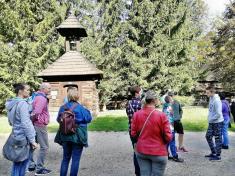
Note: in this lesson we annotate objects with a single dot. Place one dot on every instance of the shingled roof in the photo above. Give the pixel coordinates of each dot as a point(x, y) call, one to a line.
point(71, 26)
point(72, 63)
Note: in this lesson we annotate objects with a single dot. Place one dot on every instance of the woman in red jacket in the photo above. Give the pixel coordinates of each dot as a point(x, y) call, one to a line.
point(152, 129)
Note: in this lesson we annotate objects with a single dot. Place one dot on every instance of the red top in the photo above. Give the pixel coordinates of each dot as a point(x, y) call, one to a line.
point(156, 134)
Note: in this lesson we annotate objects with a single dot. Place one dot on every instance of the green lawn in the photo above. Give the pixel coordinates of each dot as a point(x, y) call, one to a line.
point(194, 119)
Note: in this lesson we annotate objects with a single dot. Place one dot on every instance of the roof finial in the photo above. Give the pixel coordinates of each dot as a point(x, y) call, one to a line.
point(70, 10)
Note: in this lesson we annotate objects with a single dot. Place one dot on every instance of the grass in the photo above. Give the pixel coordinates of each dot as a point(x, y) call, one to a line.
point(109, 123)
point(194, 119)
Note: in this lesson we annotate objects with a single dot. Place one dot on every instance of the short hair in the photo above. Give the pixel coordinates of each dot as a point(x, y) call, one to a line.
point(71, 88)
point(73, 95)
point(44, 85)
point(222, 96)
point(134, 89)
point(167, 99)
point(19, 86)
point(211, 89)
point(150, 96)
point(148, 101)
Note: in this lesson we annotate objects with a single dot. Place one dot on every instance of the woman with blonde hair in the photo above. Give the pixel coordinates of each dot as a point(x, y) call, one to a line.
point(73, 143)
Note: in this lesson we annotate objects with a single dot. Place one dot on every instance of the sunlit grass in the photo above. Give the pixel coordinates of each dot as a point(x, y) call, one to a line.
point(194, 119)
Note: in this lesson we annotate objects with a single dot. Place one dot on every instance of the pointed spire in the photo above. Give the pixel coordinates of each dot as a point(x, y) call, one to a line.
point(71, 27)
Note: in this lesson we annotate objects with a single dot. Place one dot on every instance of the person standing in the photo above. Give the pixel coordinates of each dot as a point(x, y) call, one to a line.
point(178, 126)
point(232, 108)
point(22, 127)
point(68, 89)
point(226, 115)
point(133, 106)
point(73, 143)
point(40, 120)
point(151, 130)
point(167, 109)
point(215, 120)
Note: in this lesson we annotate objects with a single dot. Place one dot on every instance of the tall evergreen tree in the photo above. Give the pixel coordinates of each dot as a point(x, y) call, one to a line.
point(166, 31)
point(113, 51)
point(28, 40)
point(223, 63)
point(145, 42)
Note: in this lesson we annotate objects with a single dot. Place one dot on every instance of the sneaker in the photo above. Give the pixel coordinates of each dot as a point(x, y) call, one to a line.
point(225, 147)
point(215, 158)
point(210, 155)
point(30, 170)
point(182, 149)
point(179, 160)
point(170, 158)
point(43, 172)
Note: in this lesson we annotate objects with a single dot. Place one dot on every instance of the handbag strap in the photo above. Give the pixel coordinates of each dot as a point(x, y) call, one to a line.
point(146, 122)
point(14, 117)
point(131, 106)
point(72, 107)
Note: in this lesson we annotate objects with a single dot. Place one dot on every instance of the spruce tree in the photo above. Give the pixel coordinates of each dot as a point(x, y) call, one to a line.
point(29, 40)
point(149, 43)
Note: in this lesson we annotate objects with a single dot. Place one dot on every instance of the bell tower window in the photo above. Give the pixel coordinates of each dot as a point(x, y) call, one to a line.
point(73, 46)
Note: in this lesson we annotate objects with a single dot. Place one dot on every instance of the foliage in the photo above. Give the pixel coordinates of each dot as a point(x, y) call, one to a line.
point(186, 100)
point(149, 43)
point(223, 64)
point(28, 41)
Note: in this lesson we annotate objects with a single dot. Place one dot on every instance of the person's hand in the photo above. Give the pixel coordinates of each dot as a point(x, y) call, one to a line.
point(49, 96)
point(34, 145)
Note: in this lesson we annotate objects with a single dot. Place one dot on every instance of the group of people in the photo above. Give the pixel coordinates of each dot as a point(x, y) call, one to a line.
point(29, 117)
point(152, 132)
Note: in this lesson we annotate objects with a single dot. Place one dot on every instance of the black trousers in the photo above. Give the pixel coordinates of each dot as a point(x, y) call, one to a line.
point(136, 164)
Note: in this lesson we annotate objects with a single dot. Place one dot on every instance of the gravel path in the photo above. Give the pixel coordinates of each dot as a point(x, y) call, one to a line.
point(110, 154)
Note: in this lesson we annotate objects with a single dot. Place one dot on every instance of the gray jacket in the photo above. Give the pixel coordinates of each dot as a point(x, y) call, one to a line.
point(22, 125)
point(215, 110)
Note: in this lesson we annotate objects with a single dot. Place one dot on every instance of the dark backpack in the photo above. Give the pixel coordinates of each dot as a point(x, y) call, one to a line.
point(67, 120)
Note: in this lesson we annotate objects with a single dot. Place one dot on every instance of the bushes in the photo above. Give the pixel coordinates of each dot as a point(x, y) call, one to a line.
point(186, 100)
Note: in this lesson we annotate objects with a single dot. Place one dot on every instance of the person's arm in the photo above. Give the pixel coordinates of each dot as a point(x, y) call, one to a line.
point(180, 111)
point(139, 106)
point(218, 110)
point(26, 122)
point(61, 110)
point(167, 135)
point(39, 103)
point(87, 116)
point(134, 130)
point(82, 115)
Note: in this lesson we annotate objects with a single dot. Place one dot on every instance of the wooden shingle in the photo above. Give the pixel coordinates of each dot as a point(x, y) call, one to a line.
point(72, 63)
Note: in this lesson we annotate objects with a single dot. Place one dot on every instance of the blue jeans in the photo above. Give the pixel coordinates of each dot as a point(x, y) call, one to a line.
point(73, 150)
point(173, 146)
point(19, 168)
point(225, 132)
